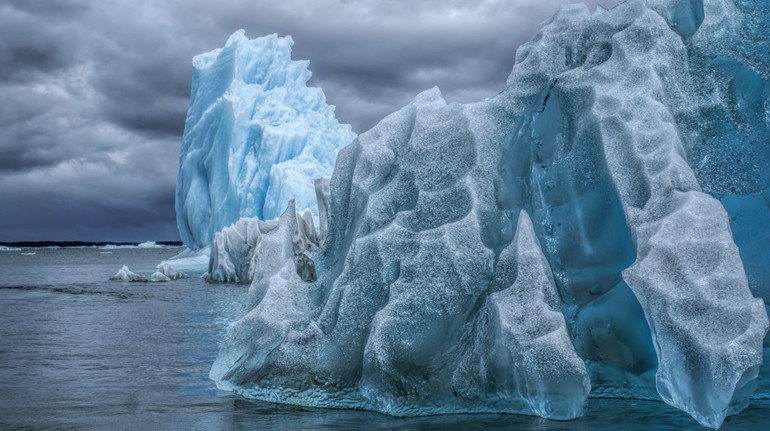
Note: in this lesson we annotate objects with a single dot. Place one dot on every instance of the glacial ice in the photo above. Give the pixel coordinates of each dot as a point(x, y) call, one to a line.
point(598, 228)
point(255, 137)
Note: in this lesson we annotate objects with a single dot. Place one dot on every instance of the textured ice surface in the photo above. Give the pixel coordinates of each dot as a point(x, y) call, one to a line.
point(255, 137)
point(533, 329)
point(636, 141)
point(401, 320)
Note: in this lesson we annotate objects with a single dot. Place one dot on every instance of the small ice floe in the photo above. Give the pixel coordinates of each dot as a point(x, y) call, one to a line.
point(159, 276)
point(167, 271)
point(164, 272)
point(125, 274)
point(6, 248)
point(32, 253)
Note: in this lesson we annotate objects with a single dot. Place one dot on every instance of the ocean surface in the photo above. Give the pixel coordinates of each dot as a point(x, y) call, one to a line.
point(80, 352)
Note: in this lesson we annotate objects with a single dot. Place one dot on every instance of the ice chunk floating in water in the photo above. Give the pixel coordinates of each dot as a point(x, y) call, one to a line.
point(125, 274)
point(255, 137)
point(572, 234)
point(164, 272)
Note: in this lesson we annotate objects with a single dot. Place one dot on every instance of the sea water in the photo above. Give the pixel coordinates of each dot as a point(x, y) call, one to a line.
point(80, 352)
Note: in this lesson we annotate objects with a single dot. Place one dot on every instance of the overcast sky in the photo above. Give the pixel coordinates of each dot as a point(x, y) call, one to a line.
point(93, 94)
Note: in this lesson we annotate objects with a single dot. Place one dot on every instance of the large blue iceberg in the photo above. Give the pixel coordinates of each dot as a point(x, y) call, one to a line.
point(599, 228)
point(255, 137)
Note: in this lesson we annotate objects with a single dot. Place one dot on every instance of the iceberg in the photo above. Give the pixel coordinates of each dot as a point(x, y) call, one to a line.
point(255, 137)
point(599, 228)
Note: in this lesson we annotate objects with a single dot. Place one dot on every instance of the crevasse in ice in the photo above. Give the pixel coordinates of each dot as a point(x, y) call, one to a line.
point(596, 228)
point(255, 137)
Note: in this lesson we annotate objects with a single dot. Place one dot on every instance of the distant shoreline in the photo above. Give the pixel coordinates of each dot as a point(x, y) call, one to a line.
point(38, 244)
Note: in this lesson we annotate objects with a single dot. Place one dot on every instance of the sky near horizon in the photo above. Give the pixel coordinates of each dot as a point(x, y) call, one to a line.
point(95, 93)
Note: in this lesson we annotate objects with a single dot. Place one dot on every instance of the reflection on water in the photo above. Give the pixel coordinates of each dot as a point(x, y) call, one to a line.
point(78, 351)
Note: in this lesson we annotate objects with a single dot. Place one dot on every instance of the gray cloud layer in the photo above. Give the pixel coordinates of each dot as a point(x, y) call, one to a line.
point(95, 93)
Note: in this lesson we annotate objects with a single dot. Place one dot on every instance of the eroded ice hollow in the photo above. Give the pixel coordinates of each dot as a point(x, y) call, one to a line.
point(595, 229)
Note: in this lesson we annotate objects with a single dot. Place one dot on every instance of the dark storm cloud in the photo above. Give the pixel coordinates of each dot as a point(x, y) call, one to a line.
point(94, 94)
point(27, 50)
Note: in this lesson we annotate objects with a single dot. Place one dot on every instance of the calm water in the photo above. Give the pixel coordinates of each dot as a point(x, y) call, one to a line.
point(80, 352)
